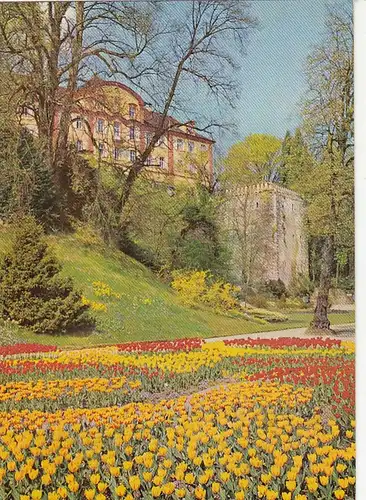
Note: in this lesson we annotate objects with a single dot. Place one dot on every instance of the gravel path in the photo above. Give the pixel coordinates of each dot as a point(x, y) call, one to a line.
point(344, 332)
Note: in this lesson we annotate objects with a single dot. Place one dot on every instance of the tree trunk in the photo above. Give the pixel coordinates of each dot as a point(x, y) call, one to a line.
point(320, 320)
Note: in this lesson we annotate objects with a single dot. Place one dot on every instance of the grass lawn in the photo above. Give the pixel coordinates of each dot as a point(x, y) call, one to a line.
point(147, 310)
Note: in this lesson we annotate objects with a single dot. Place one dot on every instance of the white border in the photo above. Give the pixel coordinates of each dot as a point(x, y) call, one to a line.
point(360, 193)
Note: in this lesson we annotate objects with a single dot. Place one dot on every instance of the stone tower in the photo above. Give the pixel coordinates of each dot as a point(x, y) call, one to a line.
point(266, 234)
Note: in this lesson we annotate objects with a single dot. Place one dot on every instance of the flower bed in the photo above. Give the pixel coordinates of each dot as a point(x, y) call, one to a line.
point(161, 346)
point(272, 420)
point(10, 350)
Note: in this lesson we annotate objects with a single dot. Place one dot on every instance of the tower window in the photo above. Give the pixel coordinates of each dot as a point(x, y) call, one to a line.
point(79, 145)
point(78, 123)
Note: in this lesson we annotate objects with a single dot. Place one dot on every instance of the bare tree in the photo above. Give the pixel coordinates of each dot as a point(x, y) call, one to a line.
point(193, 53)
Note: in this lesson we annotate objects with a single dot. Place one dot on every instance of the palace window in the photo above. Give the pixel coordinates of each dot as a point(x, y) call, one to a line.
point(132, 111)
point(117, 130)
point(100, 125)
point(162, 162)
point(132, 132)
point(190, 146)
point(180, 144)
point(116, 153)
point(203, 147)
point(132, 155)
point(148, 137)
point(149, 161)
point(102, 149)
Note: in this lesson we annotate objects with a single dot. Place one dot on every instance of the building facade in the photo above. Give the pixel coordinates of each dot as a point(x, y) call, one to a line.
point(111, 123)
point(265, 228)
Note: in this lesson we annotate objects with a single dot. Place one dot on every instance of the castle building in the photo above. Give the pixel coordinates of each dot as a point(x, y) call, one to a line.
point(111, 122)
point(265, 226)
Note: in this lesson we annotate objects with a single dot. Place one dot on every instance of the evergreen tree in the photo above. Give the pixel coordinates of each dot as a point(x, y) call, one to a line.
point(32, 292)
point(37, 192)
point(295, 160)
point(198, 245)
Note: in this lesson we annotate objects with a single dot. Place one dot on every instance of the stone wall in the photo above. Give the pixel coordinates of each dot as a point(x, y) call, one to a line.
point(266, 234)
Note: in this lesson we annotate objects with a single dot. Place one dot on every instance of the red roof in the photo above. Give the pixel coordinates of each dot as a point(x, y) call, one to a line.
point(153, 118)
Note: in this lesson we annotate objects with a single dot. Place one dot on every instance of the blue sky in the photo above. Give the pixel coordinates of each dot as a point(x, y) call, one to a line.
point(271, 74)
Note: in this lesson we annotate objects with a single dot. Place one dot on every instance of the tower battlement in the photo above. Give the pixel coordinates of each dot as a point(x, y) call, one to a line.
point(262, 187)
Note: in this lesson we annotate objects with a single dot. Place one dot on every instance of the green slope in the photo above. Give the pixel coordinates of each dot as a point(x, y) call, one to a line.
point(147, 310)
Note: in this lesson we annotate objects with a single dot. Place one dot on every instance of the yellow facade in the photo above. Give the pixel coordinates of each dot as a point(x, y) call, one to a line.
point(110, 123)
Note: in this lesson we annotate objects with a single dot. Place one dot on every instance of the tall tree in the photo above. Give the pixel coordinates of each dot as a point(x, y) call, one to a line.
point(295, 160)
point(328, 124)
point(253, 160)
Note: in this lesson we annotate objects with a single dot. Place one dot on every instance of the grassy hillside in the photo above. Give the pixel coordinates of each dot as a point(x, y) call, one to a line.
point(147, 308)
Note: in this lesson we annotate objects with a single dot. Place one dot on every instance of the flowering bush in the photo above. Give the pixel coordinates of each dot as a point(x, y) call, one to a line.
point(101, 289)
point(95, 306)
point(194, 288)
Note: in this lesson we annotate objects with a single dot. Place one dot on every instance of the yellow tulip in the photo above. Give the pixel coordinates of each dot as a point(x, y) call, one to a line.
point(120, 490)
point(215, 487)
point(324, 480)
point(134, 482)
point(156, 491)
point(36, 495)
point(291, 485)
point(339, 494)
point(89, 494)
point(199, 493)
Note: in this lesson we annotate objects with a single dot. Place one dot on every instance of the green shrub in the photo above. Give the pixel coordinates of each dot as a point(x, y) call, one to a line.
point(258, 300)
point(32, 292)
point(301, 286)
point(276, 288)
point(269, 316)
point(87, 236)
